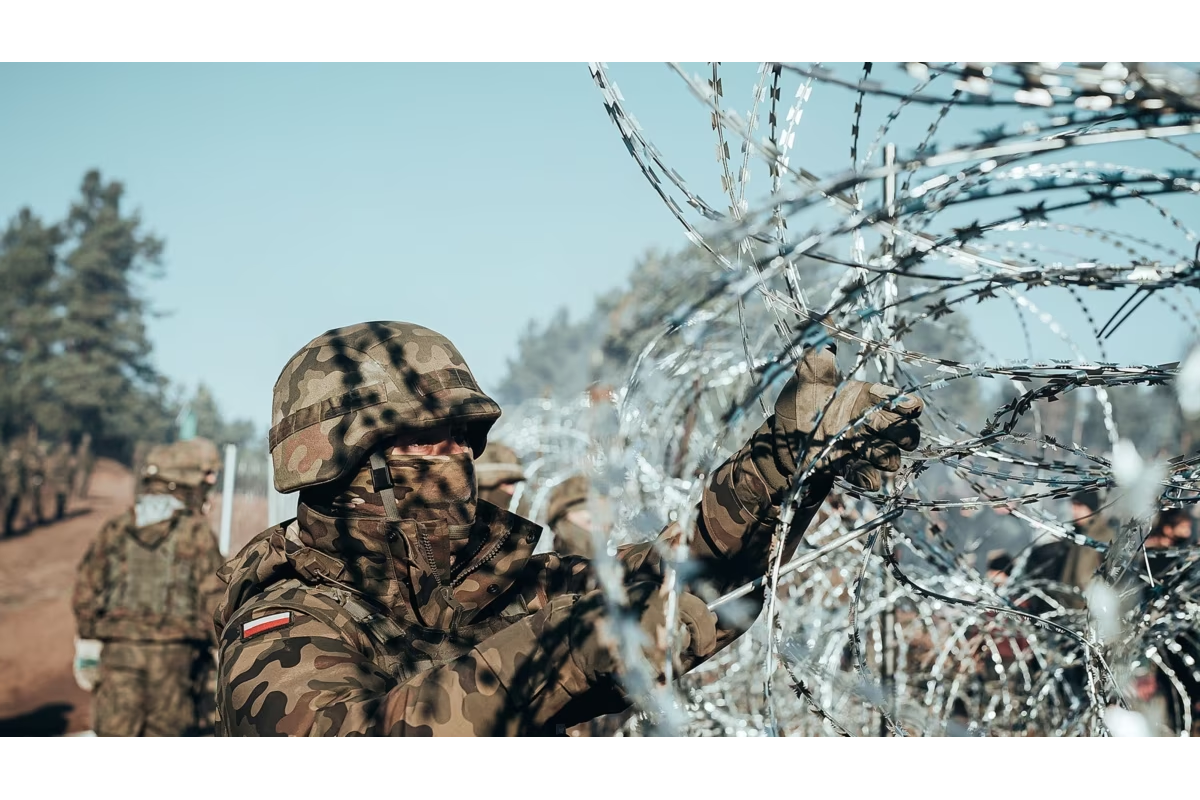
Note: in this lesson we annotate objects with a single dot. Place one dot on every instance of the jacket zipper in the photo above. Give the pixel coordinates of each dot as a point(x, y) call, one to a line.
point(428, 550)
point(495, 550)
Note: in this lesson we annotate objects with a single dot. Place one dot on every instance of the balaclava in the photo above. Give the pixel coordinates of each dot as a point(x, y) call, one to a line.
point(429, 489)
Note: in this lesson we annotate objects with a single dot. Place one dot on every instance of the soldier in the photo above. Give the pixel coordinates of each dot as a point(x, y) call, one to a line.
point(398, 603)
point(1070, 564)
point(145, 596)
point(60, 469)
point(84, 463)
point(12, 487)
point(34, 457)
point(570, 518)
point(498, 473)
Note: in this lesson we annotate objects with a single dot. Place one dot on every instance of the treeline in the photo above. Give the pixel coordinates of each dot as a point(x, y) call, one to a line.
point(563, 357)
point(74, 353)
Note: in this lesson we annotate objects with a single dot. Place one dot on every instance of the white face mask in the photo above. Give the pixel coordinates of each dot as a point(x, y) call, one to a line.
point(151, 509)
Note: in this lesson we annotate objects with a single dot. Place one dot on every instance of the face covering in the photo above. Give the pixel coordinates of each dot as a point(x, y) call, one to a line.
point(151, 509)
point(425, 488)
point(431, 488)
point(439, 492)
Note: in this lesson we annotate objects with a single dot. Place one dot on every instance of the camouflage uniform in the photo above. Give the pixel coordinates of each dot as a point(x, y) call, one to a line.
point(12, 487)
point(33, 456)
point(147, 589)
point(60, 468)
point(570, 538)
point(84, 463)
point(499, 473)
point(573, 539)
point(353, 619)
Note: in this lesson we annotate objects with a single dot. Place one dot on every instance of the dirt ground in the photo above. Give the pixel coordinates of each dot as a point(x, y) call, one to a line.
point(38, 695)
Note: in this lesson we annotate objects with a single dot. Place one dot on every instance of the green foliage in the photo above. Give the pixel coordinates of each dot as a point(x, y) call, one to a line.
point(562, 358)
point(74, 354)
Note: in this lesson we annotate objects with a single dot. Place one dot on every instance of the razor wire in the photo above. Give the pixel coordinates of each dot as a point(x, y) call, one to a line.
point(885, 622)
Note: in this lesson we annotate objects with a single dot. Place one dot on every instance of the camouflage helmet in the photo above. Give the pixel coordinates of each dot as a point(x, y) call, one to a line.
point(182, 463)
point(352, 388)
point(565, 496)
point(498, 465)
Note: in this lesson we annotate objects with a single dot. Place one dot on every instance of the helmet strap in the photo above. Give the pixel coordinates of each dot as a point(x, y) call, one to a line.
point(381, 477)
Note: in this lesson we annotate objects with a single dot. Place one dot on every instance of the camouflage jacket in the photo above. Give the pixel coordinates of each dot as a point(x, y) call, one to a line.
point(12, 480)
point(155, 583)
point(12, 469)
point(60, 466)
point(340, 626)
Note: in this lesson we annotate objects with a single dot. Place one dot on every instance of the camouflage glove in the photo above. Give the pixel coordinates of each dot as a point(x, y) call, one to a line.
point(861, 453)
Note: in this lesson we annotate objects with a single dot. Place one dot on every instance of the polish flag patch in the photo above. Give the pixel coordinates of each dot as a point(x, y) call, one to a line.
point(264, 624)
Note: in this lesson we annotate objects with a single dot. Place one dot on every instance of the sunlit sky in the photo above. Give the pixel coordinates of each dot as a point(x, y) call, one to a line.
point(471, 198)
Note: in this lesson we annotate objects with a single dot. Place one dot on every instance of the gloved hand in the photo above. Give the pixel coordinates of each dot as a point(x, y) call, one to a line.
point(859, 456)
point(86, 665)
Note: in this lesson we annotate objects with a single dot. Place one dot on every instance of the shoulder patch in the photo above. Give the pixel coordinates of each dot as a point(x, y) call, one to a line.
point(268, 623)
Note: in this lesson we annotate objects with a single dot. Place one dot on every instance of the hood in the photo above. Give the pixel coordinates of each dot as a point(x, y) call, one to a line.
point(388, 562)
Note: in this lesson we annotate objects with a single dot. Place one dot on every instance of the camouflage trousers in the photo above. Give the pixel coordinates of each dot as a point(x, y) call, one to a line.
point(146, 689)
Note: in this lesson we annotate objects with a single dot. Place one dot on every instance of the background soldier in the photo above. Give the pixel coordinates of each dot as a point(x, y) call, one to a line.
point(570, 518)
point(34, 457)
point(1070, 564)
point(398, 603)
point(145, 596)
point(12, 487)
point(84, 463)
point(60, 469)
point(498, 472)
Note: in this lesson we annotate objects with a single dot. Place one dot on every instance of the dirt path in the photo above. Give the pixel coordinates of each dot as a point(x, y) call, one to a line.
point(38, 695)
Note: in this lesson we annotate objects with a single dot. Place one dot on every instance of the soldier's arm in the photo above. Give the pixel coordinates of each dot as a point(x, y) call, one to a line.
point(209, 588)
point(305, 679)
point(730, 544)
point(88, 597)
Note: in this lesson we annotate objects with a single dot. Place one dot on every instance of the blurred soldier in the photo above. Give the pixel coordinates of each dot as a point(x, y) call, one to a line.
point(84, 463)
point(1167, 567)
point(206, 452)
point(60, 469)
point(33, 455)
point(1068, 563)
point(570, 518)
point(499, 472)
point(145, 595)
point(399, 603)
point(12, 487)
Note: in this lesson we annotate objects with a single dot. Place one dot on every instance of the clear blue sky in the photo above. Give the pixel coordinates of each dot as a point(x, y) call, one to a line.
point(470, 198)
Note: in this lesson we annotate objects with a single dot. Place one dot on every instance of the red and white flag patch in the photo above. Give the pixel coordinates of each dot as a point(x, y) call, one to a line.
point(264, 624)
